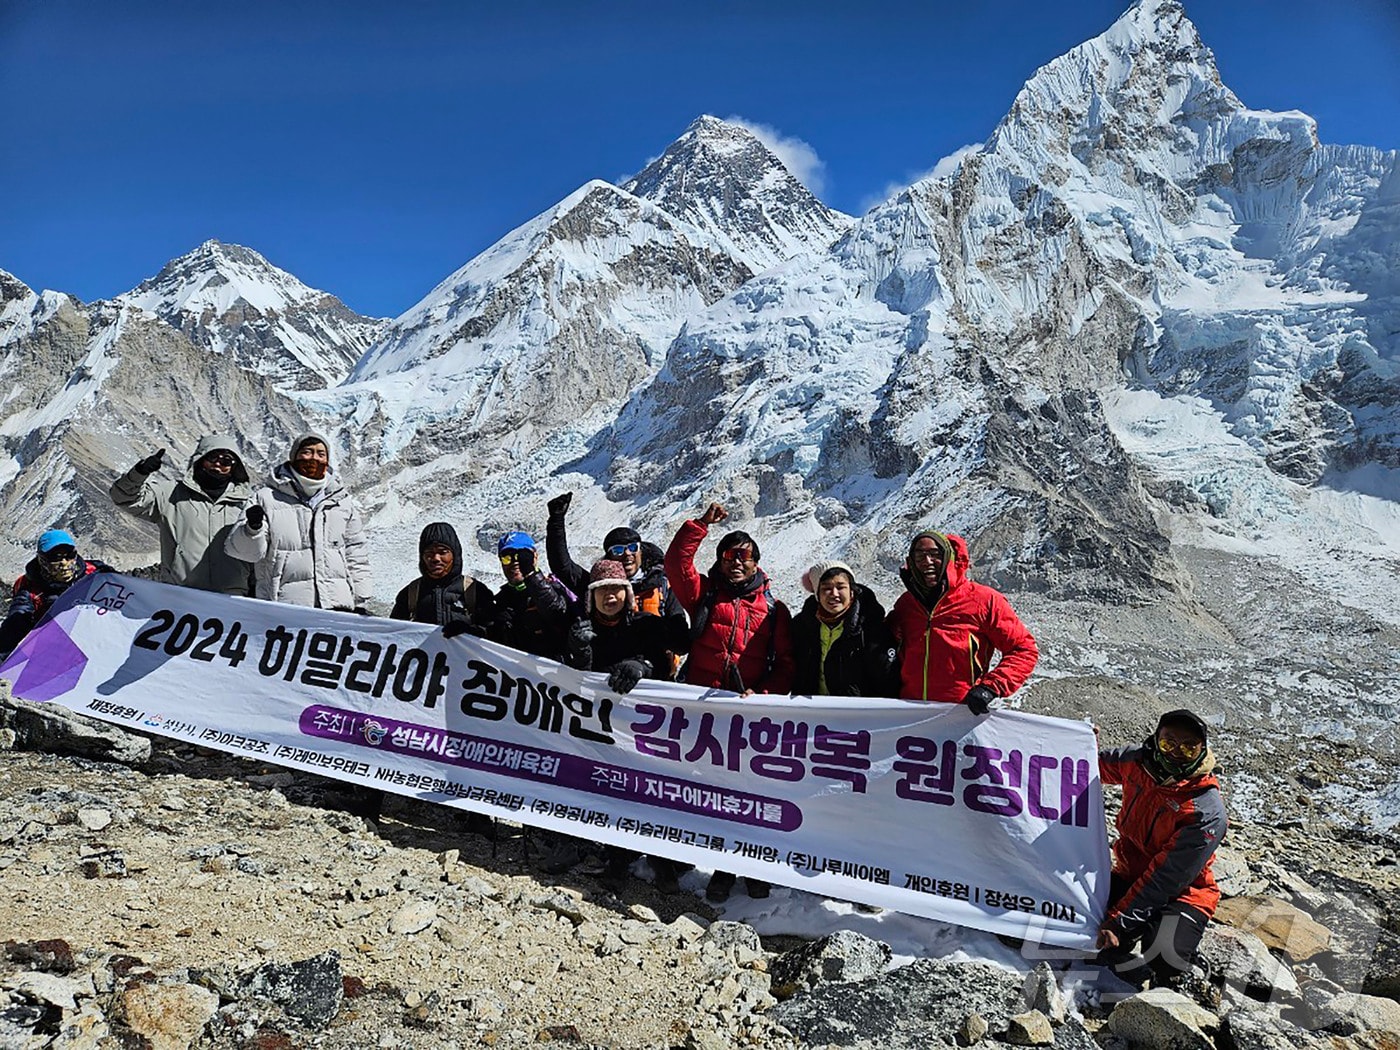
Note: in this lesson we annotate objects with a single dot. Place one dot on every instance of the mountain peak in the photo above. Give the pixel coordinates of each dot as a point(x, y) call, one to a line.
point(230, 298)
point(721, 177)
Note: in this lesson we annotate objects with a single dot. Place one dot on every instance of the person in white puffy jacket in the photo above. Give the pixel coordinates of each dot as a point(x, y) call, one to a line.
point(303, 535)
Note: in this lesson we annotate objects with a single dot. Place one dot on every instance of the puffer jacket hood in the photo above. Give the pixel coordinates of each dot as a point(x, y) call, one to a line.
point(207, 444)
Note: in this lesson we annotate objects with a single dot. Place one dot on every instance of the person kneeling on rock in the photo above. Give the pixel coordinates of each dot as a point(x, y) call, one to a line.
point(1162, 892)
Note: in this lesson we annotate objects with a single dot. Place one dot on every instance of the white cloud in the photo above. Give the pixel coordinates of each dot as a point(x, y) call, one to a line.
point(946, 166)
point(797, 156)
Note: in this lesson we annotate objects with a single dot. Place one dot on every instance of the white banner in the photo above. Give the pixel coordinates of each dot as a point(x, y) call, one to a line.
point(995, 823)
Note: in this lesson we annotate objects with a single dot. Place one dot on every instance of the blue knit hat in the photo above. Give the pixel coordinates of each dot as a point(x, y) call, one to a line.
point(56, 538)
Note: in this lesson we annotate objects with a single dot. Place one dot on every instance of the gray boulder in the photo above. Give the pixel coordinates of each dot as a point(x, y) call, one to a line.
point(1258, 1030)
point(843, 956)
point(310, 990)
point(1160, 1019)
point(56, 730)
point(1242, 961)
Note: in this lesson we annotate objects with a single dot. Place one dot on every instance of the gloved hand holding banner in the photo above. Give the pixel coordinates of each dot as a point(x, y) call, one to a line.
point(994, 822)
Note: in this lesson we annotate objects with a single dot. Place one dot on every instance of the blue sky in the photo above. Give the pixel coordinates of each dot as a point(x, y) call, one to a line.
point(371, 149)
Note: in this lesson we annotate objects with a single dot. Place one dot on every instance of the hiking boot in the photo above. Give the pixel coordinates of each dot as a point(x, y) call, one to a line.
point(721, 884)
point(664, 875)
point(758, 889)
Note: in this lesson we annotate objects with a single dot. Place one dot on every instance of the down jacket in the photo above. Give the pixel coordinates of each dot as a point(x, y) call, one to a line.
point(738, 641)
point(309, 551)
point(860, 660)
point(1167, 836)
point(946, 650)
point(193, 527)
point(31, 597)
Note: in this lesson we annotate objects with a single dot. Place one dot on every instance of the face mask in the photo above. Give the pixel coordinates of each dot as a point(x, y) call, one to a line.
point(315, 469)
point(59, 569)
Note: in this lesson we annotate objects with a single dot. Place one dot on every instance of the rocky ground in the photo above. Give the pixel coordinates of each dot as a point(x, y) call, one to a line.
point(157, 895)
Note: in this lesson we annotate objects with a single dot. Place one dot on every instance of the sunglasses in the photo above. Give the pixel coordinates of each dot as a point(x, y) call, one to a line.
point(1182, 749)
point(737, 554)
point(617, 550)
point(220, 459)
point(60, 554)
point(510, 557)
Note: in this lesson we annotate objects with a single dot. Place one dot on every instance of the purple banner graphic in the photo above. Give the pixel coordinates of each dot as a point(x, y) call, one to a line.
point(555, 767)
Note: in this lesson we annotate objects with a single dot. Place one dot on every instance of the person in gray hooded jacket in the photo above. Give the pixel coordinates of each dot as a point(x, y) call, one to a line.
point(194, 514)
point(303, 535)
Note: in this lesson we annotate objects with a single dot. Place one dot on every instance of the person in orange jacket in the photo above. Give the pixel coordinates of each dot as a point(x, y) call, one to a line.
point(1162, 892)
point(947, 629)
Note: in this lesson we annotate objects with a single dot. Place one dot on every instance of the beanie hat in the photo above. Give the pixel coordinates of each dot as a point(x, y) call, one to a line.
point(1185, 719)
point(440, 533)
point(940, 538)
point(814, 576)
point(608, 573)
point(515, 541)
point(310, 439)
point(56, 538)
point(621, 536)
point(738, 539)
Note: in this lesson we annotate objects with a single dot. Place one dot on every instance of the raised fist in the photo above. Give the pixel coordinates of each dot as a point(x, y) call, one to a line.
point(559, 505)
point(254, 516)
point(714, 514)
point(151, 463)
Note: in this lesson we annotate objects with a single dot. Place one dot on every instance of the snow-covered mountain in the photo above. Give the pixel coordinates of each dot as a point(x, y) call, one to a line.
point(230, 300)
point(720, 178)
point(962, 354)
point(560, 321)
point(93, 387)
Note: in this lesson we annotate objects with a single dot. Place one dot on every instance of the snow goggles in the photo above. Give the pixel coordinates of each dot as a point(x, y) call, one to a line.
point(1182, 750)
point(617, 550)
point(737, 554)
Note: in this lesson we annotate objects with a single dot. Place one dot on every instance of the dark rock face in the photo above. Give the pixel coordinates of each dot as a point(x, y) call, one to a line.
point(310, 990)
point(920, 1005)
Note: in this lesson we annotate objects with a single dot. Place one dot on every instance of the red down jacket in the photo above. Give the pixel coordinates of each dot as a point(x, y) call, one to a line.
point(946, 650)
point(738, 642)
point(1167, 836)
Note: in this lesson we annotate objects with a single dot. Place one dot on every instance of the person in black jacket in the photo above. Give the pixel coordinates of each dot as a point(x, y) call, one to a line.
point(55, 567)
point(613, 636)
point(443, 594)
point(839, 639)
point(532, 609)
point(641, 564)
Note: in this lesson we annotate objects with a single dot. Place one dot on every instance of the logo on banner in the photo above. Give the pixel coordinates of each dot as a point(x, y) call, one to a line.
point(109, 597)
point(373, 732)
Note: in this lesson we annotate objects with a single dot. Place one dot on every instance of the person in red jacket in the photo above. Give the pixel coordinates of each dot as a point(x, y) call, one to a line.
point(740, 635)
point(1162, 892)
point(947, 629)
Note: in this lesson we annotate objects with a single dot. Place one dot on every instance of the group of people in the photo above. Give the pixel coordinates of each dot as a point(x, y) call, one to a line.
point(637, 613)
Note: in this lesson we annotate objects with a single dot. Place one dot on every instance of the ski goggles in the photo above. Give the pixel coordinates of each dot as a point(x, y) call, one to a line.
point(1182, 750)
point(617, 550)
point(510, 557)
point(220, 459)
point(737, 554)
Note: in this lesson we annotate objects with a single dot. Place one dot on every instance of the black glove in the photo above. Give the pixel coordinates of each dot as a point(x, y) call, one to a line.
point(980, 700)
point(559, 505)
point(455, 628)
point(526, 560)
point(624, 676)
point(254, 516)
point(360, 610)
point(581, 636)
point(151, 463)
